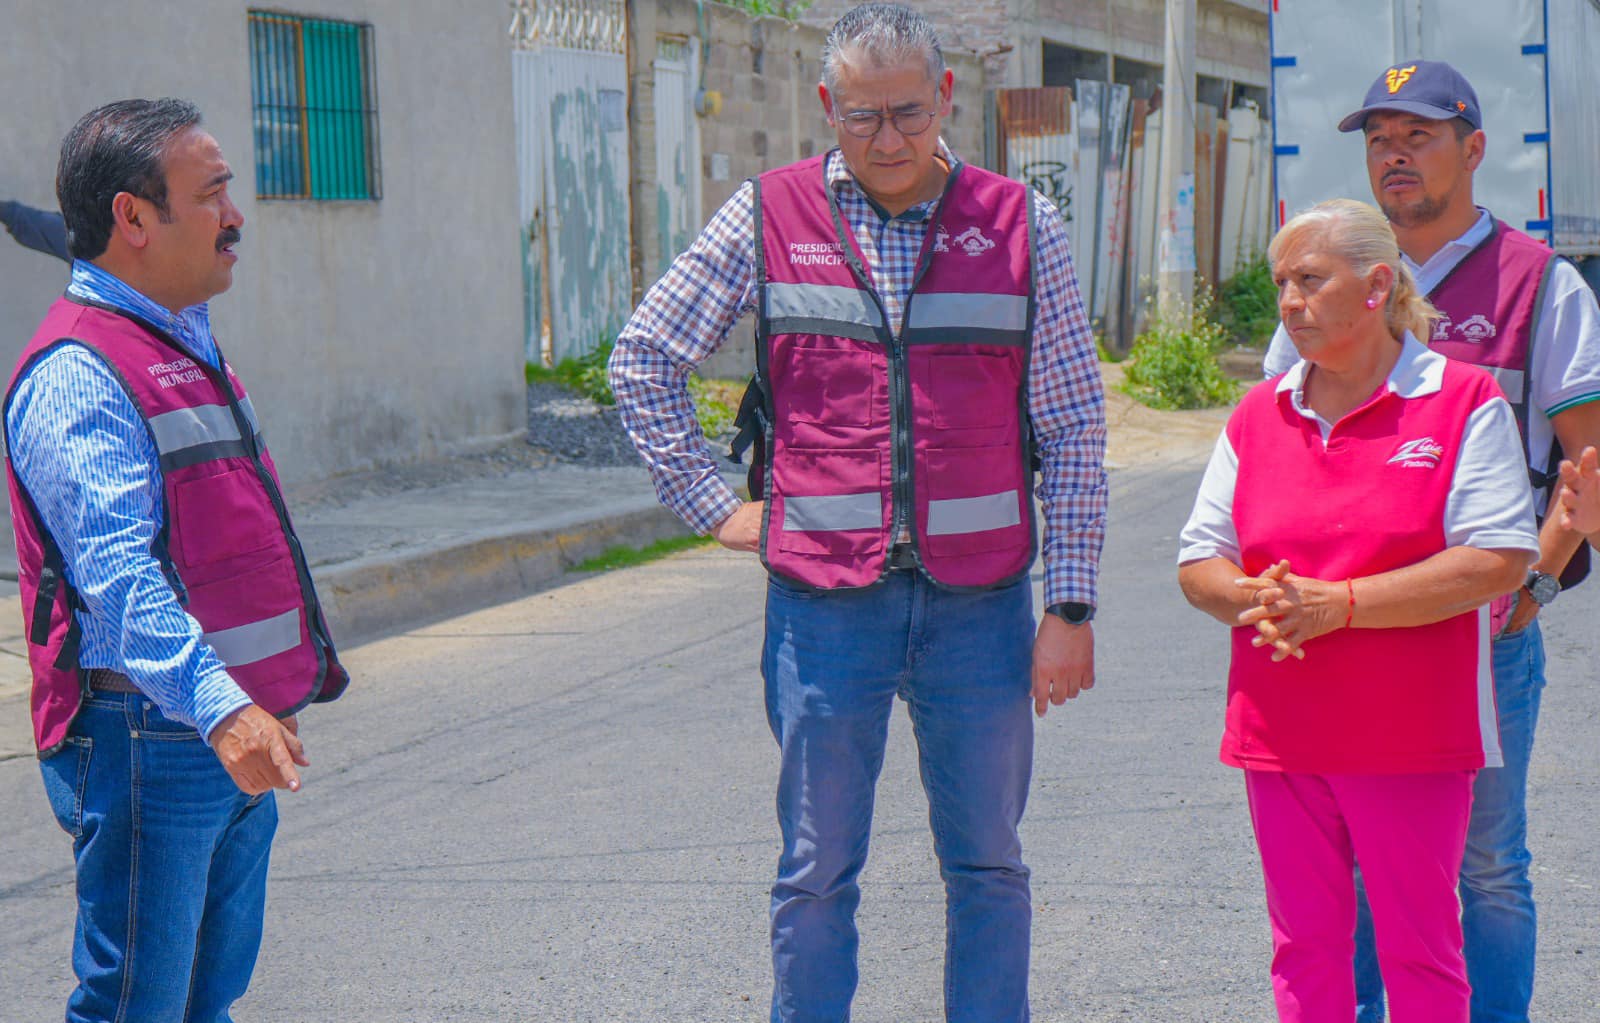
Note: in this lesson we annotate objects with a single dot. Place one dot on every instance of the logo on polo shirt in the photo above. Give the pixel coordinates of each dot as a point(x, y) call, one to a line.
point(1423, 453)
point(973, 242)
point(1478, 329)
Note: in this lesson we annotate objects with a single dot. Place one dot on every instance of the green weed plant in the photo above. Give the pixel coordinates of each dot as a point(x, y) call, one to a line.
point(1173, 364)
point(627, 557)
point(1247, 304)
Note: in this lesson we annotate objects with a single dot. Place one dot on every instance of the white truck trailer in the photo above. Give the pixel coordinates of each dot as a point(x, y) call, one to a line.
point(1535, 65)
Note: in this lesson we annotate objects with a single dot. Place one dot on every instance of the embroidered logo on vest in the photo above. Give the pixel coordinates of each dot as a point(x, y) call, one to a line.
point(941, 241)
point(973, 242)
point(1441, 328)
point(1478, 329)
point(1423, 453)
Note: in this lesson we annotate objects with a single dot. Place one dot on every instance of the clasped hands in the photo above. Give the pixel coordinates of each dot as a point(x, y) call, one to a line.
point(1289, 610)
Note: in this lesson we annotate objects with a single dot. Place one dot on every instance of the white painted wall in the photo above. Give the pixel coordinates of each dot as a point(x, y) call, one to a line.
point(367, 332)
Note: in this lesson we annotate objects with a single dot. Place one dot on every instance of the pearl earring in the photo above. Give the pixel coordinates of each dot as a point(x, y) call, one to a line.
point(1372, 303)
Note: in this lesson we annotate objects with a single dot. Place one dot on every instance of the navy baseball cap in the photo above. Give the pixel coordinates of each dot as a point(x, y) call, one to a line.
point(1427, 88)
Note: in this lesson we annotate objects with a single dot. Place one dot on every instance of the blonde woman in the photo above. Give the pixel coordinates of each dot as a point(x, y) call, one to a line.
point(1356, 517)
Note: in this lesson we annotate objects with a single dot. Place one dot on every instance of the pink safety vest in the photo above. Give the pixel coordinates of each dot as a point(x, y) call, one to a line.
point(875, 430)
point(1372, 499)
point(227, 545)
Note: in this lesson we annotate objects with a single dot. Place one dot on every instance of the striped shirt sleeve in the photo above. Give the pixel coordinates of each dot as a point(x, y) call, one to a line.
point(1067, 405)
point(81, 450)
point(684, 318)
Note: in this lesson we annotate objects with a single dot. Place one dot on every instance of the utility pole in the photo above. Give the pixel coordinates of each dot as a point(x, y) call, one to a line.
point(1175, 204)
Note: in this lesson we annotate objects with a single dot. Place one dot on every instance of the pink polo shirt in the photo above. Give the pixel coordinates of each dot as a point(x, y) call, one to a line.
point(1429, 462)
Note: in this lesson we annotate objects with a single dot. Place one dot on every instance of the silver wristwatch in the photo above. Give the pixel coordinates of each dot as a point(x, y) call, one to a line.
point(1542, 587)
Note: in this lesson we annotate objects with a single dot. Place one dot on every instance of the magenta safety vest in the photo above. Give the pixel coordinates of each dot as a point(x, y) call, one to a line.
point(877, 430)
point(1370, 498)
point(1491, 303)
point(226, 546)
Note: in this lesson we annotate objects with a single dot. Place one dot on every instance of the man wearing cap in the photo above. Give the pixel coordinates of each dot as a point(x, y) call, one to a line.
point(1515, 309)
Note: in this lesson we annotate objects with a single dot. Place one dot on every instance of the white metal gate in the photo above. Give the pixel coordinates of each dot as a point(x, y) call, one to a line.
point(677, 150)
point(570, 77)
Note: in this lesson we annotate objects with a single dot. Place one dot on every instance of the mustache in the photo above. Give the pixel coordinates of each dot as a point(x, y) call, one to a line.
point(229, 236)
point(1404, 175)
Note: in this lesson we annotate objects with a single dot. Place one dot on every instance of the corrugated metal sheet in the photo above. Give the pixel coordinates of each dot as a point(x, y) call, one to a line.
point(572, 153)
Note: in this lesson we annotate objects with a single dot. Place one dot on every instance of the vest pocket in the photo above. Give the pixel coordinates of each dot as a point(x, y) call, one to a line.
point(823, 384)
point(965, 390)
point(828, 501)
point(220, 518)
point(971, 501)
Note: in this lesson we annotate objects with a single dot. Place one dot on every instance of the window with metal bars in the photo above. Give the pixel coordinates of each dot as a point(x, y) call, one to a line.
point(315, 107)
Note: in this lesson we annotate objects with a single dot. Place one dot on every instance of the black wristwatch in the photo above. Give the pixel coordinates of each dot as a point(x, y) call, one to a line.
point(1542, 587)
point(1072, 613)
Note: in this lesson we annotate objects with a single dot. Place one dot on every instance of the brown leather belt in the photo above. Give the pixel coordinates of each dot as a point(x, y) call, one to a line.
point(107, 681)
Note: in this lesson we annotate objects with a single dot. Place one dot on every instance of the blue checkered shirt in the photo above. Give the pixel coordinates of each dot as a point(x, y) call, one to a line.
point(83, 452)
point(689, 312)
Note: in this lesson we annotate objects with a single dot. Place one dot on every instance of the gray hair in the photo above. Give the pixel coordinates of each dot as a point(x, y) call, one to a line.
point(886, 34)
point(1359, 234)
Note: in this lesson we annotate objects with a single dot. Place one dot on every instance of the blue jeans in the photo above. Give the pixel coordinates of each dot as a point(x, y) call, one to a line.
point(834, 663)
point(1498, 921)
point(171, 867)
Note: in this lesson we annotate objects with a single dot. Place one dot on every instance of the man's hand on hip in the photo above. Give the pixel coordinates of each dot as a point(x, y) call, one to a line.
point(741, 531)
point(258, 751)
point(1063, 662)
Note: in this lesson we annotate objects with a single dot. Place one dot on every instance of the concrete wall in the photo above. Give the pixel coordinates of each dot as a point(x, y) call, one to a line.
point(368, 332)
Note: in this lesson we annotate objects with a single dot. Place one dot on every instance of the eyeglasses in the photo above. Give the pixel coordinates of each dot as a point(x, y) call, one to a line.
point(864, 124)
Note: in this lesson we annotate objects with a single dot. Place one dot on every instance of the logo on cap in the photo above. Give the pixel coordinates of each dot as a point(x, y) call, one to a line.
point(1398, 76)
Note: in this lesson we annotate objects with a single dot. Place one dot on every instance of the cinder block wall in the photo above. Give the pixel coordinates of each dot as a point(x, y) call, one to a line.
point(766, 70)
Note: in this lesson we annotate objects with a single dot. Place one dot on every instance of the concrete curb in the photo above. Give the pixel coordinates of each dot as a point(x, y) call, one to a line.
point(383, 593)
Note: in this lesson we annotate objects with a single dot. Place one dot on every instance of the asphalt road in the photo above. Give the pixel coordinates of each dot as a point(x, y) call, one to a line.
point(561, 809)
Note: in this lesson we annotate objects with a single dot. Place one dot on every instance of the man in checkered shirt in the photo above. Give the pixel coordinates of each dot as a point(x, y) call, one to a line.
point(921, 345)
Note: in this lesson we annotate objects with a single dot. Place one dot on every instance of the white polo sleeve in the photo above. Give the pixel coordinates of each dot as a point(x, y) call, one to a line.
point(1490, 506)
point(1566, 353)
point(1210, 532)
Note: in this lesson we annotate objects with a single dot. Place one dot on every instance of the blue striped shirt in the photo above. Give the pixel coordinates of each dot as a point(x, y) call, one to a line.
point(81, 449)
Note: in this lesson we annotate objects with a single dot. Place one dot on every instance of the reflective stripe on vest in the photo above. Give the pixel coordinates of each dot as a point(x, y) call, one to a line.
point(200, 433)
point(973, 514)
point(834, 513)
point(256, 641)
point(823, 309)
point(962, 318)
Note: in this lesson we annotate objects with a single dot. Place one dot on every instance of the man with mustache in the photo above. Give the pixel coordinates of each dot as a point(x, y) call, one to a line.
point(173, 631)
point(1512, 307)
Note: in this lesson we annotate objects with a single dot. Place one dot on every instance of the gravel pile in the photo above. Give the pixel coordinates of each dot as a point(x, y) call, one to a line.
point(563, 428)
point(571, 428)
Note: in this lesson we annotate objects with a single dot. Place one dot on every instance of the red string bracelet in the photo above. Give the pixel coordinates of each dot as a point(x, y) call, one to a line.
point(1350, 586)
